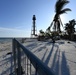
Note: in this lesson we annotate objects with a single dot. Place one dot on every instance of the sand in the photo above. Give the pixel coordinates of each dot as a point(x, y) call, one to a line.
point(59, 57)
point(5, 65)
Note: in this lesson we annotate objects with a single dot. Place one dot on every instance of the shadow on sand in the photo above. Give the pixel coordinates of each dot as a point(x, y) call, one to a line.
point(64, 67)
point(54, 60)
point(5, 64)
point(60, 67)
point(44, 55)
point(59, 64)
point(49, 56)
point(32, 46)
point(42, 47)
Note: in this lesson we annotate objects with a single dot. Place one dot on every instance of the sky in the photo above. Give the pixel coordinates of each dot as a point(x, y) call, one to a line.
point(16, 16)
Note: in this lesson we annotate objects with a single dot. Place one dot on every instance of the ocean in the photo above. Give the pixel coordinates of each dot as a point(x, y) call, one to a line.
point(5, 40)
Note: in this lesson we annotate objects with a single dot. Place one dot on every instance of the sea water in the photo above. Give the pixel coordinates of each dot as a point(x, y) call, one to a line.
point(5, 40)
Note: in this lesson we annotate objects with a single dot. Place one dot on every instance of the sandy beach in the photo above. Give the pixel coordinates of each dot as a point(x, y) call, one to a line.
point(60, 57)
point(5, 47)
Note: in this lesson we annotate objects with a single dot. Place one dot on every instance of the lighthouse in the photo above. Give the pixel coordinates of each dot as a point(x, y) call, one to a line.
point(34, 30)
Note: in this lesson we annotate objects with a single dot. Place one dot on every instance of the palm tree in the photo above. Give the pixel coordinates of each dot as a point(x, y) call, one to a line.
point(70, 28)
point(48, 30)
point(41, 35)
point(42, 32)
point(59, 10)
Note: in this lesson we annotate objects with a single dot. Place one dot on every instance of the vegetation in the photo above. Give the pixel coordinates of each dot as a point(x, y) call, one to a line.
point(59, 9)
point(42, 33)
point(70, 28)
point(56, 23)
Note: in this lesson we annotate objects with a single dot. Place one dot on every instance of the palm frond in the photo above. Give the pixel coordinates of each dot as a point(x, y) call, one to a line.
point(61, 22)
point(61, 5)
point(48, 29)
point(51, 24)
point(64, 11)
point(54, 27)
point(57, 4)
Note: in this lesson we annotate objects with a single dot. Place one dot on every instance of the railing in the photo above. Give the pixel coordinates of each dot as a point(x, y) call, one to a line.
point(24, 60)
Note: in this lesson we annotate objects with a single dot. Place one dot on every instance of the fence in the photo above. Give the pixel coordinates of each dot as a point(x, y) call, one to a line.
point(26, 63)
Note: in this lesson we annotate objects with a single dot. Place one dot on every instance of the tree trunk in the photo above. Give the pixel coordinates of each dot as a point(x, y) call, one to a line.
point(72, 36)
